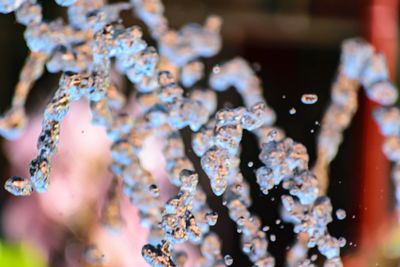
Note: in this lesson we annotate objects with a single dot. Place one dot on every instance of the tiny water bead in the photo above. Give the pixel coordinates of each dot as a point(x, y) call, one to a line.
point(265, 228)
point(228, 260)
point(212, 218)
point(292, 111)
point(340, 214)
point(19, 186)
point(272, 238)
point(154, 190)
point(309, 99)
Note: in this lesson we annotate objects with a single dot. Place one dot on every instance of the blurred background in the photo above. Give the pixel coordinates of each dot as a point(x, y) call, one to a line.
point(294, 46)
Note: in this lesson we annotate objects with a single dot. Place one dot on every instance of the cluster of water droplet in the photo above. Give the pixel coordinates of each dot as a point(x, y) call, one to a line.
point(95, 44)
point(388, 119)
point(220, 160)
point(359, 65)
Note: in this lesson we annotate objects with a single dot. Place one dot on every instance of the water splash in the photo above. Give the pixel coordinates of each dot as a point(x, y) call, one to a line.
point(85, 50)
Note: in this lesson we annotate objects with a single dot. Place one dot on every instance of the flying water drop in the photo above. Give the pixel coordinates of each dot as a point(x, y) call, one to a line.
point(19, 186)
point(340, 214)
point(228, 260)
point(212, 218)
point(309, 99)
point(272, 238)
point(154, 190)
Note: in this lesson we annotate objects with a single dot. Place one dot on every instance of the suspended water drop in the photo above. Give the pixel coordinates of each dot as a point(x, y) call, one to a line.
point(342, 241)
point(272, 238)
point(216, 69)
point(292, 111)
point(19, 186)
point(265, 228)
point(309, 99)
point(155, 191)
point(340, 214)
point(250, 164)
point(228, 260)
point(212, 217)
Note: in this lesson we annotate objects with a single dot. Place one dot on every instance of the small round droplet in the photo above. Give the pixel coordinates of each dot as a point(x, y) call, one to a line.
point(272, 238)
point(283, 96)
point(250, 164)
point(228, 260)
point(212, 218)
point(19, 186)
point(265, 228)
point(216, 69)
point(292, 111)
point(240, 221)
point(340, 214)
point(342, 242)
point(155, 191)
point(278, 222)
point(309, 99)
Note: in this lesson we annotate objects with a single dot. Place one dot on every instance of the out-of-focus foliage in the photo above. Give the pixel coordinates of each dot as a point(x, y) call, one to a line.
point(20, 255)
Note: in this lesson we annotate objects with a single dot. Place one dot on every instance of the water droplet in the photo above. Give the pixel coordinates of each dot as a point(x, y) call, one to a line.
point(342, 242)
point(278, 221)
point(18, 186)
point(250, 164)
point(292, 111)
point(272, 238)
point(340, 214)
point(309, 99)
point(228, 260)
point(216, 69)
point(212, 218)
point(265, 228)
point(240, 221)
point(155, 191)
